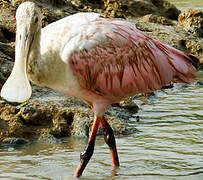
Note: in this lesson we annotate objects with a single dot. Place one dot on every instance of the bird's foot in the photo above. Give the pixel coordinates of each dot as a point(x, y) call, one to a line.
point(84, 158)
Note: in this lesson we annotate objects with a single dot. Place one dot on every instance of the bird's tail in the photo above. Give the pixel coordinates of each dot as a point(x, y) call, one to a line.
point(193, 60)
point(185, 65)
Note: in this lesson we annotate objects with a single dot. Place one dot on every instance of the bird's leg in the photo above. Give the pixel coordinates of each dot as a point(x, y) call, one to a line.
point(89, 149)
point(110, 141)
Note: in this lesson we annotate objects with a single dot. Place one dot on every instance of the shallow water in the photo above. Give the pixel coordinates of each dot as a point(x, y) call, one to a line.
point(169, 145)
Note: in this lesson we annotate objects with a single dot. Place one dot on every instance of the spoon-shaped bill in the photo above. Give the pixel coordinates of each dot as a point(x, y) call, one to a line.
point(17, 87)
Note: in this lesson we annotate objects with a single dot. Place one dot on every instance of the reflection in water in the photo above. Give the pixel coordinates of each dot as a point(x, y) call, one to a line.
point(169, 145)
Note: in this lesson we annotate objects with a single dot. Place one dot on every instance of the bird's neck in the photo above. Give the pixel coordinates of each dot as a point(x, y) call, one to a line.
point(34, 60)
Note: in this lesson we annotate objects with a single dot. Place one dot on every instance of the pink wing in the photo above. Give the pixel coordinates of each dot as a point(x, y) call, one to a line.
point(130, 62)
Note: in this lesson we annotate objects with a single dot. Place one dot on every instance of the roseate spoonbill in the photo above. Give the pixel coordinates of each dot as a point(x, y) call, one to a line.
point(99, 60)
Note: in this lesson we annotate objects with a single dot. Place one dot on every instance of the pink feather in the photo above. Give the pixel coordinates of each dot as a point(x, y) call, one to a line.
point(129, 62)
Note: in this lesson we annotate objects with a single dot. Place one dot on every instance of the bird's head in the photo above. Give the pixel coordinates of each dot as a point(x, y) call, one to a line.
point(17, 87)
point(28, 18)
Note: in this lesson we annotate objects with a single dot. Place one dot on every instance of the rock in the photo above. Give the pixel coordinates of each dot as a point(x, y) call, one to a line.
point(156, 19)
point(166, 9)
point(7, 25)
point(6, 62)
point(14, 142)
point(8, 49)
point(137, 8)
point(2, 37)
point(192, 21)
point(127, 8)
point(174, 36)
point(128, 104)
point(54, 115)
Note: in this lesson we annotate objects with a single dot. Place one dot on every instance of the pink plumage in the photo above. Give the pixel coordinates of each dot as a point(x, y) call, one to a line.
point(129, 62)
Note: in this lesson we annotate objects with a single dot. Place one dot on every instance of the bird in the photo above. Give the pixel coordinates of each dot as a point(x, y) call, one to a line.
point(99, 60)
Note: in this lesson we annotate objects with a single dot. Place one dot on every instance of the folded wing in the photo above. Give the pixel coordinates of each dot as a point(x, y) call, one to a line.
point(129, 62)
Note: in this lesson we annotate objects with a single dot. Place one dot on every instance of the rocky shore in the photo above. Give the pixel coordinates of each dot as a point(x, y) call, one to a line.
point(50, 115)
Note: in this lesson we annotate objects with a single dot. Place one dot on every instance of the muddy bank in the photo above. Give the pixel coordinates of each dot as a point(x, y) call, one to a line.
point(50, 115)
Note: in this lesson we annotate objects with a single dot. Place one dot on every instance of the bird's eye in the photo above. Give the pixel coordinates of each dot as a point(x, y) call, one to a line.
point(15, 19)
point(36, 19)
